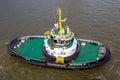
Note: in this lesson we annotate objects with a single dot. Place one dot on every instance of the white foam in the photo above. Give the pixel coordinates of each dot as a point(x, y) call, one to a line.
point(1, 66)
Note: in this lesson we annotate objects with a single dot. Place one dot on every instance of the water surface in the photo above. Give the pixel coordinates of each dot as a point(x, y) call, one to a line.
point(90, 19)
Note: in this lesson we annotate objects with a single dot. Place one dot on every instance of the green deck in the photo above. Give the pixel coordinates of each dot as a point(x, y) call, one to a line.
point(32, 48)
point(88, 53)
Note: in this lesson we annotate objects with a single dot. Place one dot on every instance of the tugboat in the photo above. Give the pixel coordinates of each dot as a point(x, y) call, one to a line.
point(59, 48)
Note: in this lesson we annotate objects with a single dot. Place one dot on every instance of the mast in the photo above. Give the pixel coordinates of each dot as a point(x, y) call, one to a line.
point(61, 30)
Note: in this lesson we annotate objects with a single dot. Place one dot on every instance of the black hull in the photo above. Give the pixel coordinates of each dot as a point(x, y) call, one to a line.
point(70, 65)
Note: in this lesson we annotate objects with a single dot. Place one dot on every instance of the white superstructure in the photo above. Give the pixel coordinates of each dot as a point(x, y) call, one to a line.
point(60, 43)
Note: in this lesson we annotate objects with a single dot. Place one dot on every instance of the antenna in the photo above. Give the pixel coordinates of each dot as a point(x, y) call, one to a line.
point(54, 16)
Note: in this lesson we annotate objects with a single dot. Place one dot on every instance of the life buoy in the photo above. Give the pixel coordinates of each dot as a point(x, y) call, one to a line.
point(83, 43)
point(65, 43)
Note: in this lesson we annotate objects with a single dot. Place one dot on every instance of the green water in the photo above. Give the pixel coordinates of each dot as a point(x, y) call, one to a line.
point(90, 19)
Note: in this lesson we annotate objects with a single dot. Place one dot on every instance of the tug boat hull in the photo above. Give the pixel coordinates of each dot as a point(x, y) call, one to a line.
point(30, 50)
